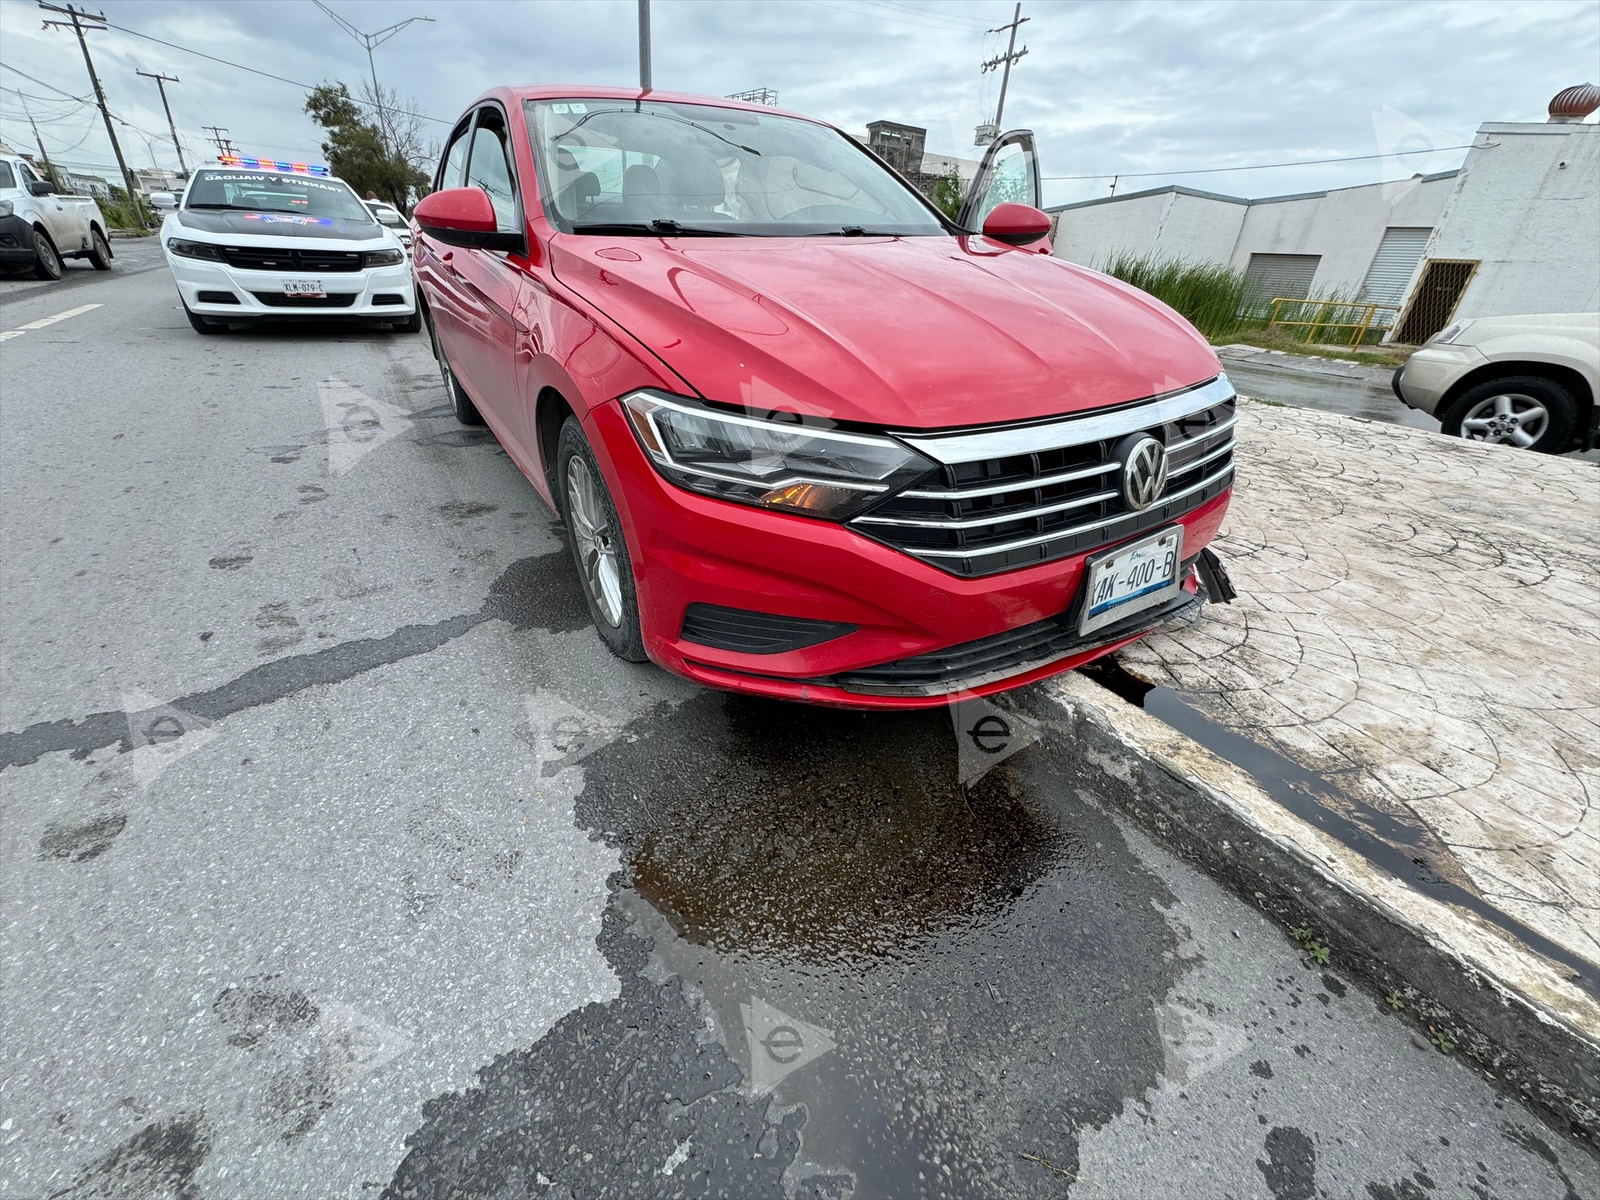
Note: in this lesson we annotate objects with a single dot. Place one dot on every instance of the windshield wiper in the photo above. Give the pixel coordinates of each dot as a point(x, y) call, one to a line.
point(657, 228)
point(854, 231)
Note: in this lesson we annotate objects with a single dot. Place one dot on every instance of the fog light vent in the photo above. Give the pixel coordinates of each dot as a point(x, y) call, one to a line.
point(388, 298)
point(217, 298)
point(750, 632)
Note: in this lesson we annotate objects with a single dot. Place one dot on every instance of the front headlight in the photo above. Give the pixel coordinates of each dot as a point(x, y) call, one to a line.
point(784, 464)
point(382, 258)
point(1450, 333)
point(187, 249)
point(7, 208)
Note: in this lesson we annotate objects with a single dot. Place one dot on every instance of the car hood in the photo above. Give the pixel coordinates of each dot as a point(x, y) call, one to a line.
point(276, 225)
point(922, 333)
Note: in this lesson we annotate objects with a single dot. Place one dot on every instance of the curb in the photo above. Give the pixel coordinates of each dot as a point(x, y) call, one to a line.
point(1512, 1013)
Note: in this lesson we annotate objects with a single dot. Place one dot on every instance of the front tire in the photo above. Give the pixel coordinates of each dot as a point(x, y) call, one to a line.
point(46, 262)
point(598, 547)
point(99, 252)
point(412, 324)
point(200, 324)
point(466, 411)
point(1525, 411)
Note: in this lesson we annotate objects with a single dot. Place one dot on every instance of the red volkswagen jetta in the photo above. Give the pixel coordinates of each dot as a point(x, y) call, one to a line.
point(809, 437)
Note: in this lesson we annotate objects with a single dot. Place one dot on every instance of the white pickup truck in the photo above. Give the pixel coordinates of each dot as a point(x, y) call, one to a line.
point(39, 226)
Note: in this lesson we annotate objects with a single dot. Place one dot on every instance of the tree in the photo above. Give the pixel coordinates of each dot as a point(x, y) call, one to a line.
point(948, 192)
point(358, 152)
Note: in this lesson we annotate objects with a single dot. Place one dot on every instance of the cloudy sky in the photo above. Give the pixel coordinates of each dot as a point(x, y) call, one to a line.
point(1133, 89)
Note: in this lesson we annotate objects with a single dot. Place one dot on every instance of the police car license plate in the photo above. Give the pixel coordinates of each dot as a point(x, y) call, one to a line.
point(303, 287)
point(1130, 578)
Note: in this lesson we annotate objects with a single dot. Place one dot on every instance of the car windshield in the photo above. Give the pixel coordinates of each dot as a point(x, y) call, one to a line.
point(271, 192)
point(660, 169)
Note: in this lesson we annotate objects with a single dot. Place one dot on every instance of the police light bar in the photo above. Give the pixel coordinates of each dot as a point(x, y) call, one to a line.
point(268, 164)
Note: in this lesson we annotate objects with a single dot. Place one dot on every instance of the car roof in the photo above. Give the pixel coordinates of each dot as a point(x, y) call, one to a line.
point(587, 91)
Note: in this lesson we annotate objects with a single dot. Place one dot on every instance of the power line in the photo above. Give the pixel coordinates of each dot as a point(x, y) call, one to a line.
point(310, 87)
point(1307, 162)
point(76, 24)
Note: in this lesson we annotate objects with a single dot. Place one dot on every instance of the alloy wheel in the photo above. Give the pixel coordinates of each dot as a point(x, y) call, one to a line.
point(591, 528)
point(1513, 417)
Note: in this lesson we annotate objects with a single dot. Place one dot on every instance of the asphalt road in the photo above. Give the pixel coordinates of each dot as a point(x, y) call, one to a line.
point(339, 860)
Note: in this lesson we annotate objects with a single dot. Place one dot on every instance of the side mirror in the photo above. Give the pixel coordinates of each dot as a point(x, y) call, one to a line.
point(40, 187)
point(1016, 224)
point(463, 217)
point(163, 200)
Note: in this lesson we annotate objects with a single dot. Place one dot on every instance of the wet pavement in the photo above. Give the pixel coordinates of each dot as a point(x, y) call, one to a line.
point(339, 859)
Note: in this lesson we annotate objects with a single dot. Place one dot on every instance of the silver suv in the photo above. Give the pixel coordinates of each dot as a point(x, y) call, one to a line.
point(1529, 382)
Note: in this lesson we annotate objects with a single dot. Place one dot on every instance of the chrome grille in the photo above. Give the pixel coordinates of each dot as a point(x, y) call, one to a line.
point(1049, 490)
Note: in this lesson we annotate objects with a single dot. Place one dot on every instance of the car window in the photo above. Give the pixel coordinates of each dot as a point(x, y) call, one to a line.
point(7, 179)
point(455, 157)
point(610, 162)
point(27, 174)
point(489, 169)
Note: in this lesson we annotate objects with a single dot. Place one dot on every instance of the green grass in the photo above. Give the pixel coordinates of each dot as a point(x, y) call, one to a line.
point(1208, 294)
point(1214, 300)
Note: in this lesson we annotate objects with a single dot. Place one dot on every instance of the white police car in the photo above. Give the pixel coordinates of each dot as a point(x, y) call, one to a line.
point(256, 239)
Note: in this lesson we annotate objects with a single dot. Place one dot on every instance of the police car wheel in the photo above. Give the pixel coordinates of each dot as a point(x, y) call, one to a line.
point(412, 324)
point(201, 325)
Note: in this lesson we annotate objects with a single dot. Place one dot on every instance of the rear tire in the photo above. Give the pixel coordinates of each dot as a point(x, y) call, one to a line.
point(1525, 411)
point(599, 549)
point(99, 251)
point(200, 324)
point(46, 262)
point(466, 411)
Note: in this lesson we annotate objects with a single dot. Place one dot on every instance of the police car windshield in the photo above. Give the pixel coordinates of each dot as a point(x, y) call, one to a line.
point(271, 192)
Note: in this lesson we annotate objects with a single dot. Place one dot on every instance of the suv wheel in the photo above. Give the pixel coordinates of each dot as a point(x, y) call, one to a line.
point(1526, 411)
point(46, 262)
point(598, 547)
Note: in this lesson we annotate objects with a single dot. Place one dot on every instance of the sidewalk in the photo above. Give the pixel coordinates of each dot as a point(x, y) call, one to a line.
point(1412, 666)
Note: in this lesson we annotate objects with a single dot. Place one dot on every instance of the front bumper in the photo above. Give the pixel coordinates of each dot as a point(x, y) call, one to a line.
point(692, 549)
point(1427, 376)
point(16, 242)
point(350, 293)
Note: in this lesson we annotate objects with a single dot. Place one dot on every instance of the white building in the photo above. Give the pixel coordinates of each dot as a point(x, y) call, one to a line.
point(1515, 230)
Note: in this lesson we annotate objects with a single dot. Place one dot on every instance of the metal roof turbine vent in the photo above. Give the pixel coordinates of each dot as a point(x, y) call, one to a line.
point(1573, 104)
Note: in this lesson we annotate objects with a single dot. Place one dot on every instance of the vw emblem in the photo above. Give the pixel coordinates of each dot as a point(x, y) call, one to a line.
point(1144, 470)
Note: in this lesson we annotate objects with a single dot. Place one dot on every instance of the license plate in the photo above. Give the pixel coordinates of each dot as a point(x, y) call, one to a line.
point(1130, 578)
point(303, 287)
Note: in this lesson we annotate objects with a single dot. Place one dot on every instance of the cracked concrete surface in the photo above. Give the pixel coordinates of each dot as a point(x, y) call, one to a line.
point(1418, 623)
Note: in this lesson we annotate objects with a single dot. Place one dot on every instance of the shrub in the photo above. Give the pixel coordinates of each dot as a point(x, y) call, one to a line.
point(1208, 294)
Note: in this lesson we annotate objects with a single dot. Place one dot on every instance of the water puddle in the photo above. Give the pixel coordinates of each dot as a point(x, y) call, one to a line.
point(1408, 850)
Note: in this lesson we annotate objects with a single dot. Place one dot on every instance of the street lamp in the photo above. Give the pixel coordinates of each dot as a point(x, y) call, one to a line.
point(371, 41)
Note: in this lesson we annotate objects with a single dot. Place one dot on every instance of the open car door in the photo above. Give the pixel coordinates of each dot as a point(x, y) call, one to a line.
point(1009, 174)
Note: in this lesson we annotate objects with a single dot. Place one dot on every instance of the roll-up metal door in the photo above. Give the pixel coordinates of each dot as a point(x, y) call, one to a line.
point(1392, 267)
point(1272, 275)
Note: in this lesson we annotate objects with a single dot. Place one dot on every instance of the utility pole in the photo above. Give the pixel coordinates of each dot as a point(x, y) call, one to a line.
point(1011, 55)
point(77, 26)
point(644, 45)
point(49, 167)
point(224, 145)
point(161, 82)
point(372, 41)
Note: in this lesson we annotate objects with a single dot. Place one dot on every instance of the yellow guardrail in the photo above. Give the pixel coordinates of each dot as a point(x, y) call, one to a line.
point(1362, 319)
